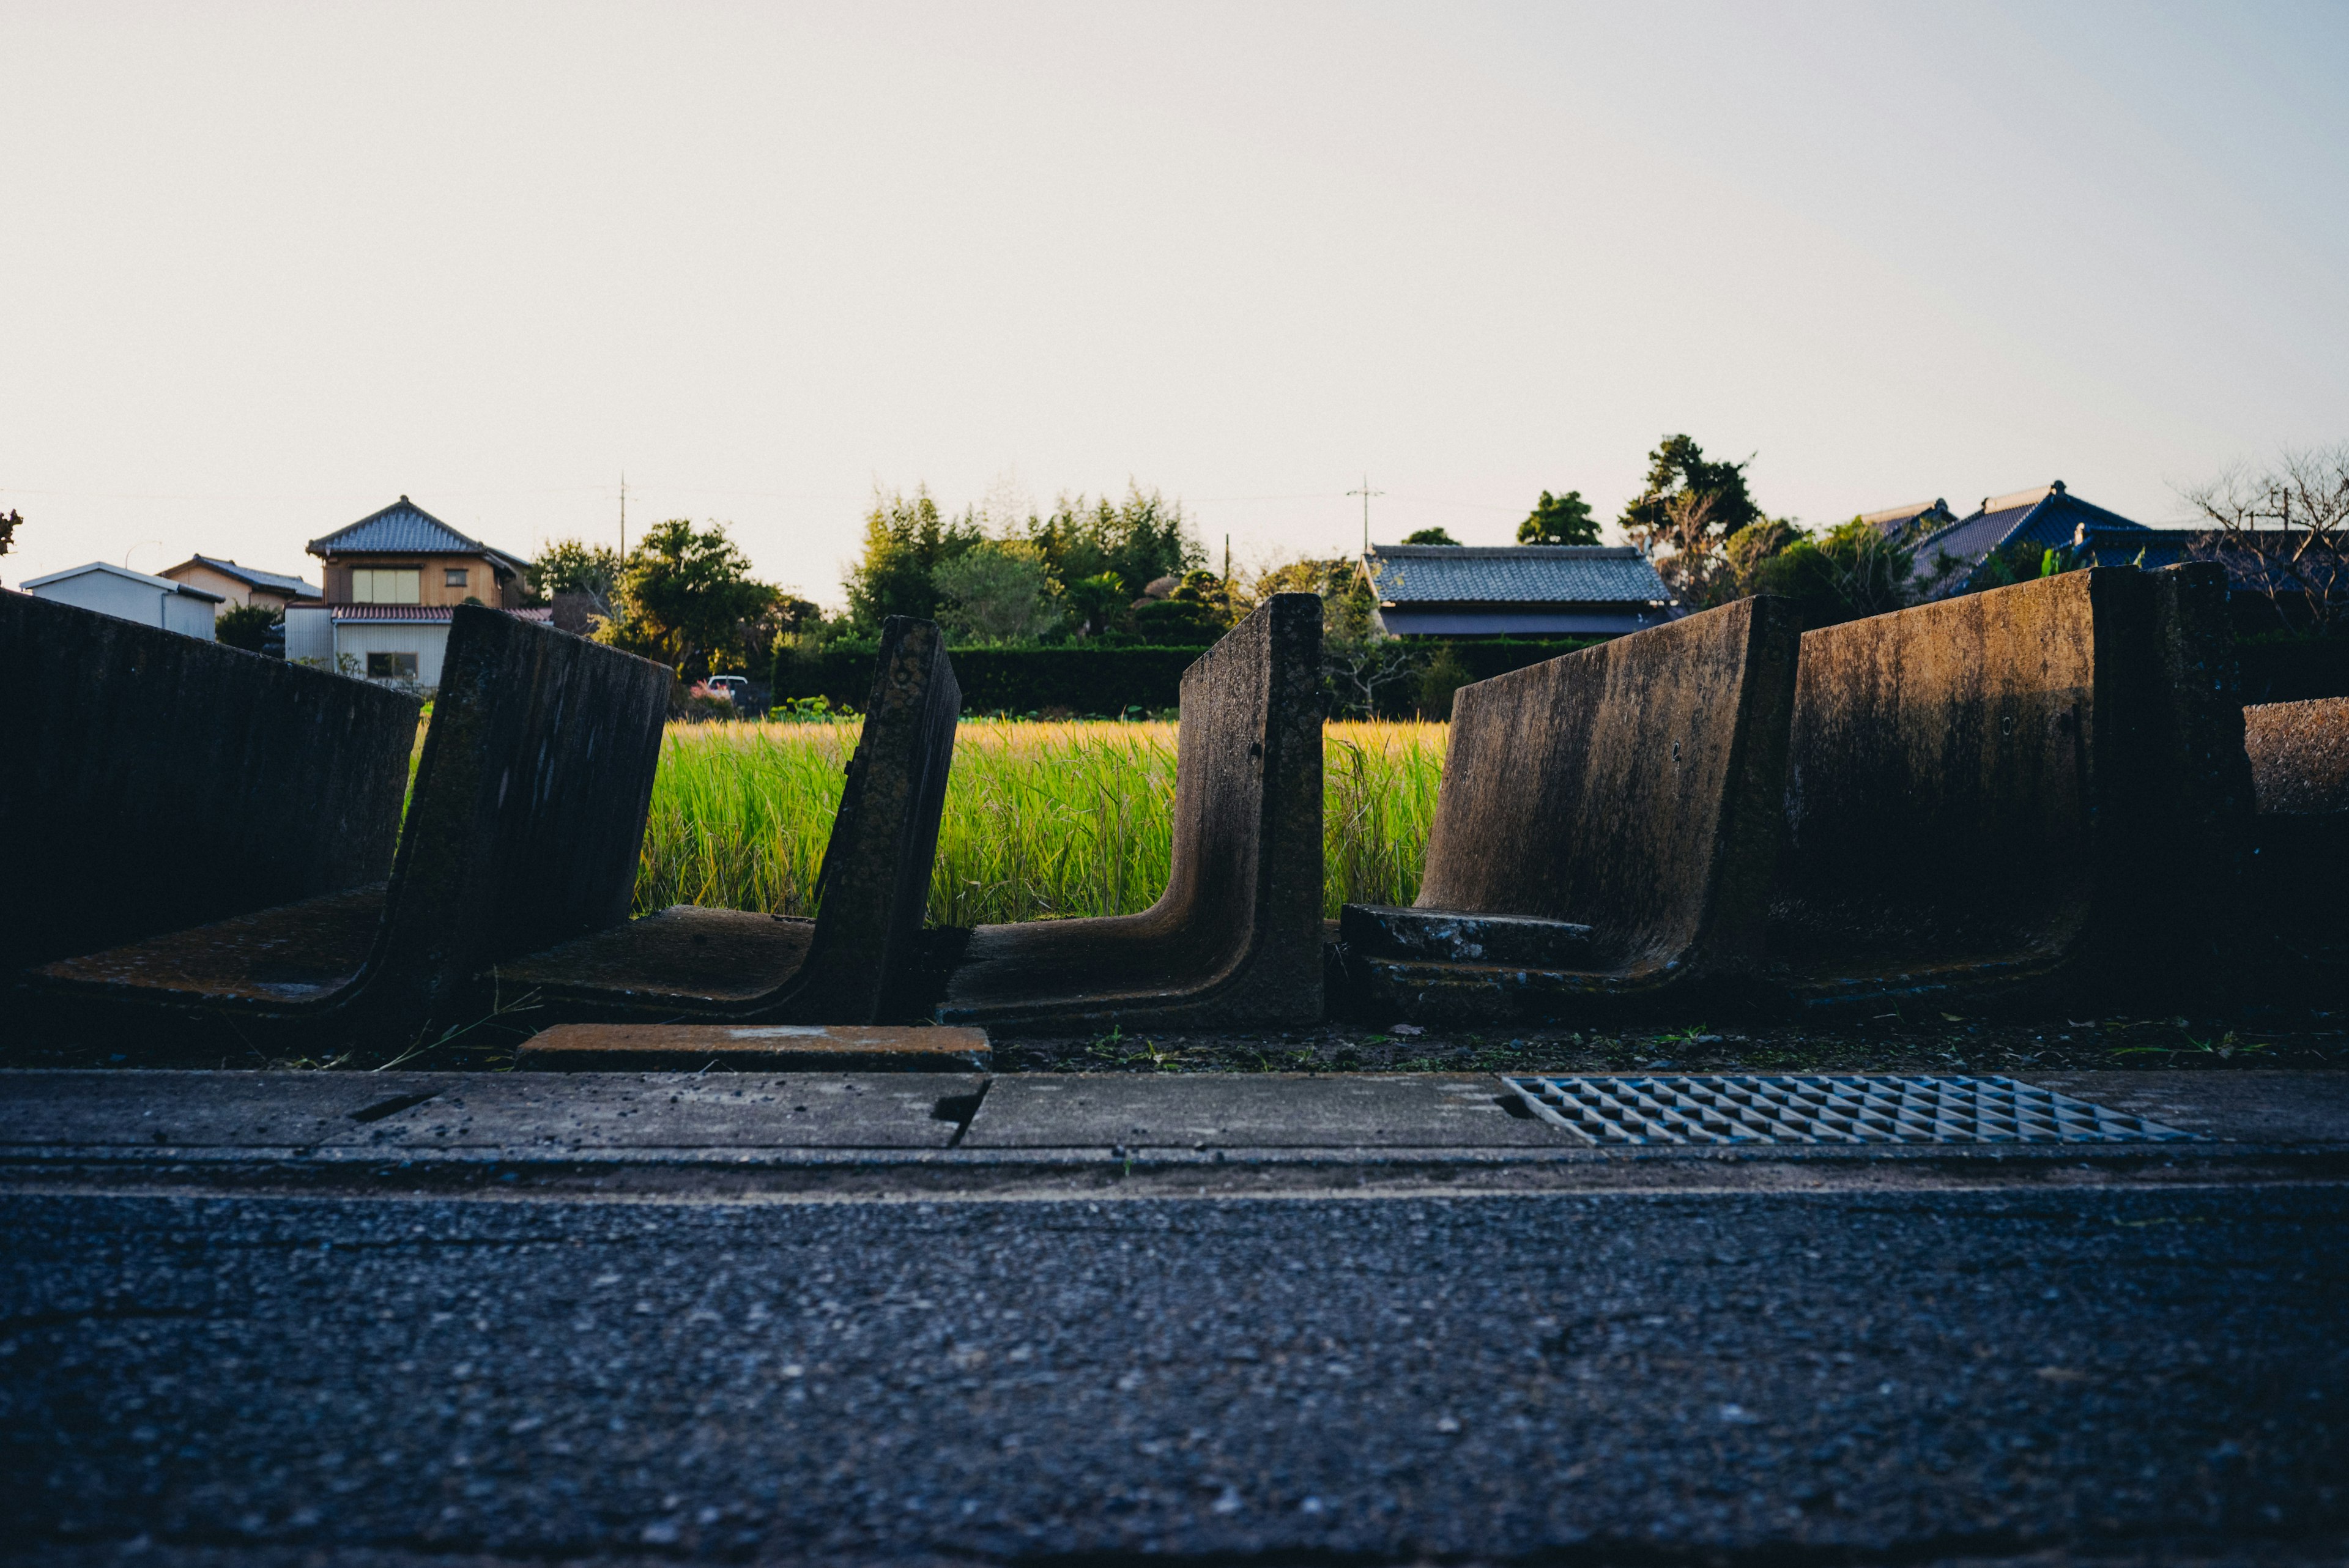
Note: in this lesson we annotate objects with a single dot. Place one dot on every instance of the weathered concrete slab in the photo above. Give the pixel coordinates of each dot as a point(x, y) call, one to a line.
point(2011, 798)
point(151, 781)
point(747, 1047)
point(130, 1109)
point(1255, 1110)
point(1632, 788)
point(1236, 940)
point(526, 1115)
point(524, 828)
point(582, 1113)
point(861, 961)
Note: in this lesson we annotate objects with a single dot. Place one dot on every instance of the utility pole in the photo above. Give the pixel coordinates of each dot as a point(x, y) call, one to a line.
point(624, 514)
point(1366, 493)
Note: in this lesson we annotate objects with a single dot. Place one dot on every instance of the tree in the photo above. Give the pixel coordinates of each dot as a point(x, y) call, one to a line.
point(2284, 533)
point(1430, 536)
point(905, 542)
point(1691, 505)
point(686, 594)
point(9, 523)
point(576, 567)
point(1137, 541)
point(1559, 520)
point(1852, 570)
point(1097, 604)
point(998, 591)
point(244, 625)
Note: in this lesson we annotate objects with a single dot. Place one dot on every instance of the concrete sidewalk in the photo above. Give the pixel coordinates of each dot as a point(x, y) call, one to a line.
point(739, 1134)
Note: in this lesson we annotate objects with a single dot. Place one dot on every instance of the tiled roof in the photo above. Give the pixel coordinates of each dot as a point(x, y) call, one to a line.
point(384, 614)
point(407, 529)
point(2047, 516)
point(1892, 520)
point(2151, 549)
point(277, 581)
point(1516, 574)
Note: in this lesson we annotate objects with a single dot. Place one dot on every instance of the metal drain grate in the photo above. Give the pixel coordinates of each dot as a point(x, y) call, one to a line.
point(1768, 1109)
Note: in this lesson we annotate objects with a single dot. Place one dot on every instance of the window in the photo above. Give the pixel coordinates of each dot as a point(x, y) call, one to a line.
point(386, 586)
point(392, 666)
point(456, 577)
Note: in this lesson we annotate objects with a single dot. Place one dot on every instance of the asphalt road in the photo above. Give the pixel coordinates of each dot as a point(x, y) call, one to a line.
point(1792, 1375)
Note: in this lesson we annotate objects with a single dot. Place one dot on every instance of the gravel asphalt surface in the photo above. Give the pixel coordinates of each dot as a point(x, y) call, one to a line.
point(1783, 1377)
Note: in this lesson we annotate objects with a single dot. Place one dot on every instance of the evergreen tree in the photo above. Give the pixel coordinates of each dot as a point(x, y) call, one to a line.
point(1559, 520)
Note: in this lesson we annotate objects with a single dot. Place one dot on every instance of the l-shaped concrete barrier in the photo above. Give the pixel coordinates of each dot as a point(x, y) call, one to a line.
point(860, 962)
point(1605, 835)
point(151, 781)
point(1236, 939)
point(2032, 796)
point(524, 828)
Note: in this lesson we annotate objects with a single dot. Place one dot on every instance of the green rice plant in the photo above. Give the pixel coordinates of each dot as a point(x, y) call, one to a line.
point(1042, 820)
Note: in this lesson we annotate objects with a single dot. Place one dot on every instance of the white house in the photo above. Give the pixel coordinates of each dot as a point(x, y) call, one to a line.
point(132, 596)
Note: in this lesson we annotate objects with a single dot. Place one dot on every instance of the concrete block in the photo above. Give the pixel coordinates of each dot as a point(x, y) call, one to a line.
point(524, 828)
point(754, 1047)
point(150, 780)
point(2299, 756)
point(1236, 939)
point(1255, 1110)
point(861, 961)
point(1629, 791)
point(2298, 753)
point(2010, 798)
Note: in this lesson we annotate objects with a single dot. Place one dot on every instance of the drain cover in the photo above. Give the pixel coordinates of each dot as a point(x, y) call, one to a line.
point(1757, 1109)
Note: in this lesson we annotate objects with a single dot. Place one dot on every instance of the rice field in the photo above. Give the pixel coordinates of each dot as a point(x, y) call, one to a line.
point(1042, 820)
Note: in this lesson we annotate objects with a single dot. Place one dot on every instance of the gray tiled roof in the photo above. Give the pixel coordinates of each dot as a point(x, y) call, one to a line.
point(1515, 574)
point(259, 579)
point(403, 528)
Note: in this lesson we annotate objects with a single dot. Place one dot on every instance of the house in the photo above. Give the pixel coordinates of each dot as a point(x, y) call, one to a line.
point(240, 585)
point(393, 581)
point(1515, 590)
point(133, 595)
point(1912, 521)
point(1956, 558)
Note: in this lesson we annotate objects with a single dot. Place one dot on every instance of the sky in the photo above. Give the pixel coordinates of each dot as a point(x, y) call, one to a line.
point(265, 268)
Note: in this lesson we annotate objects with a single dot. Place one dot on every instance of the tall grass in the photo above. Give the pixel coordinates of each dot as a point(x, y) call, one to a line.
point(1041, 819)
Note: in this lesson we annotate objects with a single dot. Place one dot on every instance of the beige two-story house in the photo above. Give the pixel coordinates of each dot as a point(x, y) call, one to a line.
point(393, 581)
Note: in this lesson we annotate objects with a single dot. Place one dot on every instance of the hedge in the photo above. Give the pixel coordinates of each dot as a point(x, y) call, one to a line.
point(1089, 680)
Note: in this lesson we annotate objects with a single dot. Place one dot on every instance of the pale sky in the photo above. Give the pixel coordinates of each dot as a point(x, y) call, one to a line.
point(264, 268)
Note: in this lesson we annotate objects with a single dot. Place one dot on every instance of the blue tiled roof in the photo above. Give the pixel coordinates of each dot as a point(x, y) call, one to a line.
point(403, 528)
point(259, 579)
point(2043, 517)
point(1519, 574)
